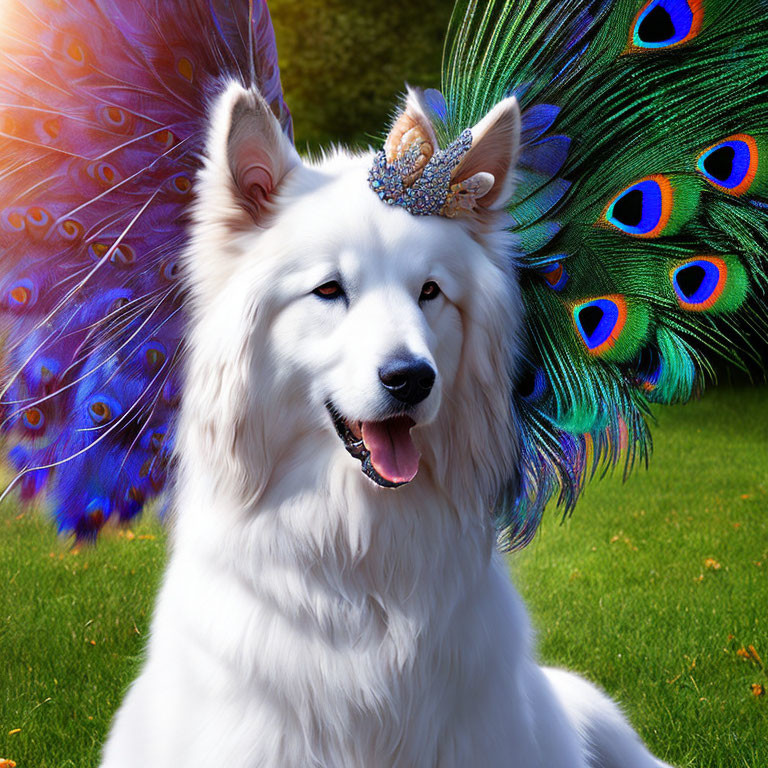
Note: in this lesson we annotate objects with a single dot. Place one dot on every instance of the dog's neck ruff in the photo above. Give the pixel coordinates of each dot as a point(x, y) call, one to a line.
point(423, 189)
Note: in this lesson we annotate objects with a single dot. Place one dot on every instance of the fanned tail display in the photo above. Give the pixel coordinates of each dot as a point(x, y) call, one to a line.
point(641, 211)
point(640, 216)
point(102, 118)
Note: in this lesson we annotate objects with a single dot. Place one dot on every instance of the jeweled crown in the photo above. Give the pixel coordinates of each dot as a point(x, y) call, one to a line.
point(416, 177)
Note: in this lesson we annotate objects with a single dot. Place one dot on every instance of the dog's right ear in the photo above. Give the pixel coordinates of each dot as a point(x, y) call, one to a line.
point(247, 157)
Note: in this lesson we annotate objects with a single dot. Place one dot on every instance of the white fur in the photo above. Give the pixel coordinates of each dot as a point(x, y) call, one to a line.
point(309, 617)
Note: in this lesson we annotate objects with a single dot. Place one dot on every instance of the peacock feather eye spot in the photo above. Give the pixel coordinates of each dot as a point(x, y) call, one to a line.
point(656, 26)
point(52, 127)
point(532, 384)
point(156, 441)
point(100, 412)
point(555, 275)
point(648, 368)
point(180, 184)
point(118, 304)
point(185, 69)
point(719, 163)
point(731, 164)
point(170, 270)
point(664, 23)
point(600, 322)
point(103, 173)
point(165, 138)
point(38, 217)
point(154, 355)
point(33, 419)
point(116, 119)
point(76, 52)
point(699, 283)
point(628, 209)
point(689, 280)
point(123, 256)
point(590, 318)
point(14, 220)
point(22, 294)
point(71, 229)
point(97, 250)
point(96, 514)
point(642, 209)
point(38, 222)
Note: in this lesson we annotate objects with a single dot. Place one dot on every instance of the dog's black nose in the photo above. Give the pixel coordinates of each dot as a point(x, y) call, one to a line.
point(408, 379)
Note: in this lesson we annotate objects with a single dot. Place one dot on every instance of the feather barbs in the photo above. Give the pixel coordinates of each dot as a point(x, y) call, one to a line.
point(665, 221)
point(102, 121)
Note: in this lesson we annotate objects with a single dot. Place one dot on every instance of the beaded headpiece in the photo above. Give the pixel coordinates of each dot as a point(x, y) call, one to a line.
point(422, 188)
point(413, 173)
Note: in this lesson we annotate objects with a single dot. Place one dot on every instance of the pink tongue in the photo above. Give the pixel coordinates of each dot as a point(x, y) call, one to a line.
point(393, 454)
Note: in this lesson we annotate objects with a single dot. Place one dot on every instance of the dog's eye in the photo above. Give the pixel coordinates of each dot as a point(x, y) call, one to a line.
point(430, 290)
point(331, 290)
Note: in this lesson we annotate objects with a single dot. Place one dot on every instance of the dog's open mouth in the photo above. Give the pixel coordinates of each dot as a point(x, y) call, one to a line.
point(384, 448)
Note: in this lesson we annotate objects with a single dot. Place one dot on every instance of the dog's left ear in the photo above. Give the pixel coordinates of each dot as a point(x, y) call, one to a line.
point(484, 180)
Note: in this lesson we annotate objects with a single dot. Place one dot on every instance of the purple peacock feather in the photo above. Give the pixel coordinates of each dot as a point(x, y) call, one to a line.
point(102, 119)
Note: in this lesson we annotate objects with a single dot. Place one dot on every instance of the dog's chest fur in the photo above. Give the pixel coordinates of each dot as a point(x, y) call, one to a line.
point(338, 644)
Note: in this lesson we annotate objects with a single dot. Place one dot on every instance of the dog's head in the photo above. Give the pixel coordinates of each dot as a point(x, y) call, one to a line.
point(343, 319)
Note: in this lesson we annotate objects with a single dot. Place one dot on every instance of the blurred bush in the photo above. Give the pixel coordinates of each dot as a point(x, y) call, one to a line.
point(344, 63)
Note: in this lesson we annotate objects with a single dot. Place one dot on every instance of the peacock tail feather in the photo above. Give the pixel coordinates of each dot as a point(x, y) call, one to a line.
point(641, 212)
point(102, 119)
point(640, 216)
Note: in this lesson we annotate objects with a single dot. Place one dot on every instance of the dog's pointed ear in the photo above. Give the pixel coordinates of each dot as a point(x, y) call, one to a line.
point(247, 154)
point(484, 180)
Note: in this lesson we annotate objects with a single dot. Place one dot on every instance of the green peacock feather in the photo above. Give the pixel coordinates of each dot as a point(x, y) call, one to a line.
point(641, 210)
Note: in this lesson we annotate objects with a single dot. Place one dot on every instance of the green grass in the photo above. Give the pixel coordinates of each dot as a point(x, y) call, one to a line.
point(627, 592)
point(72, 628)
point(653, 585)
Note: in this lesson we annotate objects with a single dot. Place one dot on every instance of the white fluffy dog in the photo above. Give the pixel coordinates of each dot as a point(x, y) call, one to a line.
point(314, 614)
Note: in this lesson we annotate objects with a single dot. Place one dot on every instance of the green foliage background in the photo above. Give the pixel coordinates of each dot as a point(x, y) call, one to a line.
point(344, 63)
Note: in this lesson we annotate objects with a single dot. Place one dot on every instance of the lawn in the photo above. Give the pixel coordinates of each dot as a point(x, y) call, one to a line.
point(657, 589)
